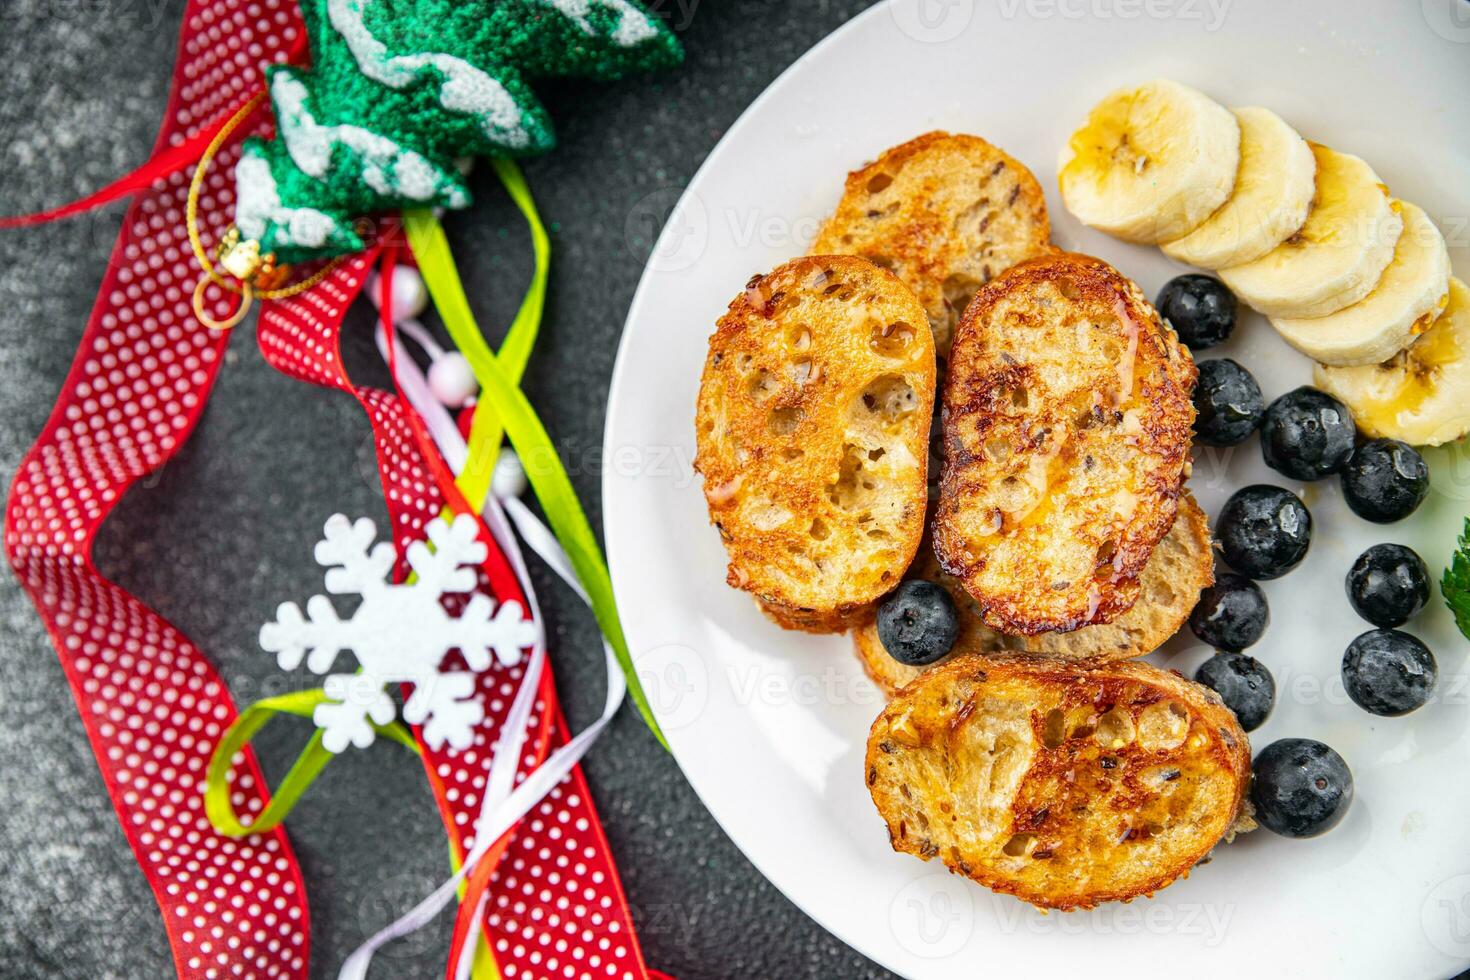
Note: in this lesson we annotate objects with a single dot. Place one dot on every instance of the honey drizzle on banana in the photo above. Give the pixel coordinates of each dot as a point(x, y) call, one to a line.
point(1422, 363)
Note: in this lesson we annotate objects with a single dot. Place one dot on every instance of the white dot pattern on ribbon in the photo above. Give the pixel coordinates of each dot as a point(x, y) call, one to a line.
point(557, 907)
point(152, 703)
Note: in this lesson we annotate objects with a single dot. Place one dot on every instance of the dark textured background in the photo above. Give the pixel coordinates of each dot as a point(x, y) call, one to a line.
point(216, 540)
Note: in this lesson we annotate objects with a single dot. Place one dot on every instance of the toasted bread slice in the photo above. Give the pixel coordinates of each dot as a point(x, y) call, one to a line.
point(1067, 419)
point(1065, 785)
point(813, 435)
point(946, 213)
point(1179, 568)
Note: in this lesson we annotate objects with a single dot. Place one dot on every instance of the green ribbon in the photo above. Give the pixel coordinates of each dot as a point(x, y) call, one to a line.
point(486, 431)
point(502, 395)
point(308, 765)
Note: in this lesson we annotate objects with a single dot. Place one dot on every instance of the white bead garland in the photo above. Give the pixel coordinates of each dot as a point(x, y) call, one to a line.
point(410, 295)
point(452, 381)
point(509, 478)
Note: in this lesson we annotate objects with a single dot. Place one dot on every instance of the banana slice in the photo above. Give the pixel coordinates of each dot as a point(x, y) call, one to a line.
point(1273, 193)
point(1338, 255)
point(1151, 162)
point(1422, 395)
point(1410, 295)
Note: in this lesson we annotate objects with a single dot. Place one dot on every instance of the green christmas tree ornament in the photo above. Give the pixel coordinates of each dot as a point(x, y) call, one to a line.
point(398, 91)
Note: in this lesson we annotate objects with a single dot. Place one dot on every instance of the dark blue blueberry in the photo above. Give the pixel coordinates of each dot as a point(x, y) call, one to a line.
point(1243, 683)
point(1307, 434)
point(1231, 614)
point(1227, 403)
point(918, 623)
point(1388, 584)
point(1388, 672)
point(1385, 480)
point(1301, 788)
point(1264, 531)
point(1200, 309)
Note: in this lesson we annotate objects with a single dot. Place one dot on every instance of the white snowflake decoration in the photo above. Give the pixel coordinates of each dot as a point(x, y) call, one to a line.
point(399, 634)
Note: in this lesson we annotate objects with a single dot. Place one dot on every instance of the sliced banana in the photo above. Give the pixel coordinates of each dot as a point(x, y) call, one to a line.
point(1422, 395)
point(1151, 163)
point(1411, 293)
point(1273, 193)
point(1338, 255)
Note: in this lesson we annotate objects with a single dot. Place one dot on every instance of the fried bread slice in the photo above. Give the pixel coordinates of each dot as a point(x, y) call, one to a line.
point(1066, 785)
point(1179, 568)
point(1067, 425)
point(813, 435)
point(946, 212)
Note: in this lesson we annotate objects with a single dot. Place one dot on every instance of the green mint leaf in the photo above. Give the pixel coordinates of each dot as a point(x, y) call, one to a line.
point(1456, 582)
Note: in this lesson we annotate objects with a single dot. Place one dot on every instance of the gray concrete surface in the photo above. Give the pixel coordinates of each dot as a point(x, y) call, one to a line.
point(211, 540)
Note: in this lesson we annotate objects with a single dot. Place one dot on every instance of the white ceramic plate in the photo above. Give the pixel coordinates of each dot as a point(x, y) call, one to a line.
point(769, 726)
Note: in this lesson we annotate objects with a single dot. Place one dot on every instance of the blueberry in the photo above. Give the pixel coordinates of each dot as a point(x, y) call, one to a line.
point(1385, 480)
point(1307, 434)
point(1388, 584)
point(1264, 531)
point(1227, 403)
point(918, 623)
point(1301, 788)
point(1200, 309)
point(1243, 683)
point(1231, 614)
point(1389, 673)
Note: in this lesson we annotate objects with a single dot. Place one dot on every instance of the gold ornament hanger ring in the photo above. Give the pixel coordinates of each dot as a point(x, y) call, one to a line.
point(247, 295)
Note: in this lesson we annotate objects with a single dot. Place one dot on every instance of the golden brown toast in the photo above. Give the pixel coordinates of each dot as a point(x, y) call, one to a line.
point(813, 430)
point(1179, 568)
point(946, 213)
point(1066, 785)
point(1067, 424)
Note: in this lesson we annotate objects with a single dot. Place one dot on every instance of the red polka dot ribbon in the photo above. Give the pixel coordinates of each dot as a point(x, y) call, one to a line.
point(152, 704)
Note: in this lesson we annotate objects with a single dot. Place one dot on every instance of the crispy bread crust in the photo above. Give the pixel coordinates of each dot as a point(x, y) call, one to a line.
point(1179, 568)
point(946, 213)
point(1066, 785)
point(812, 430)
point(1067, 425)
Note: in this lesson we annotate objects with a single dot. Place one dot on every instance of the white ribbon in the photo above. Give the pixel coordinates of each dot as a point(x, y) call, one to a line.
point(503, 803)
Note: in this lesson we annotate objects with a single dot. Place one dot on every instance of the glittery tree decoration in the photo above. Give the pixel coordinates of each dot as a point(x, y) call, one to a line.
point(401, 89)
